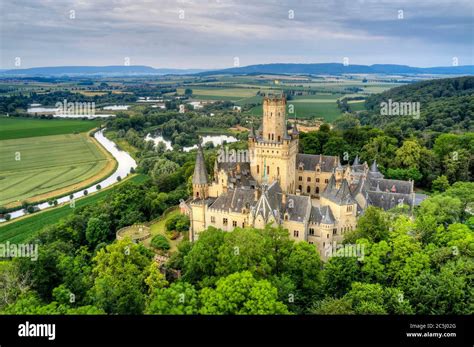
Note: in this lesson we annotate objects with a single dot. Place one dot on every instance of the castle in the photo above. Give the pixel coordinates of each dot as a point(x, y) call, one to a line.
point(314, 197)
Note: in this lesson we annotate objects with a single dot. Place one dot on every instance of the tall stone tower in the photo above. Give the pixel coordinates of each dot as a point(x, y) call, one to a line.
point(274, 119)
point(272, 150)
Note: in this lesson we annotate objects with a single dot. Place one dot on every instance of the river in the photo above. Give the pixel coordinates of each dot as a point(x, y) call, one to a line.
point(125, 164)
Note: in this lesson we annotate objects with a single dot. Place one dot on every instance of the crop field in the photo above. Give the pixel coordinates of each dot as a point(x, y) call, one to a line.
point(46, 166)
point(311, 107)
point(223, 93)
point(16, 128)
point(22, 229)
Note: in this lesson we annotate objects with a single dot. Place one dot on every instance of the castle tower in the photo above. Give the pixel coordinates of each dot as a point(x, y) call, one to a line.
point(200, 182)
point(274, 119)
point(273, 150)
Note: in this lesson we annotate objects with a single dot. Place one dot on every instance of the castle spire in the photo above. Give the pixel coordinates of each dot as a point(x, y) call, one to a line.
point(200, 172)
point(373, 167)
point(356, 160)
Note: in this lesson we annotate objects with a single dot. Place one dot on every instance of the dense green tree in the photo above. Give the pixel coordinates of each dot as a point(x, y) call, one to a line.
point(119, 278)
point(372, 225)
point(200, 262)
point(179, 298)
point(97, 231)
point(241, 293)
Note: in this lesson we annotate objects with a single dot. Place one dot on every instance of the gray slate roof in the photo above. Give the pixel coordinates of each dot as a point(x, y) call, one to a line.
point(310, 161)
point(321, 214)
point(200, 172)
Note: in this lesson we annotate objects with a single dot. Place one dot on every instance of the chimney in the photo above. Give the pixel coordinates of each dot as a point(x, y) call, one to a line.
point(283, 198)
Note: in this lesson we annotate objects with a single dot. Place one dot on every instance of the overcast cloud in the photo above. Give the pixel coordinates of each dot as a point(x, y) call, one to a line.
point(213, 32)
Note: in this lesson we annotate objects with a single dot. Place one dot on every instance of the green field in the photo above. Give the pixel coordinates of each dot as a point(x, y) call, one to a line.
point(23, 229)
point(35, 166)
point(310, 108)
point(16, 128)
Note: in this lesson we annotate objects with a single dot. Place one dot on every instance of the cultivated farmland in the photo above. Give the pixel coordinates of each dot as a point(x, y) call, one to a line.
point(16, 128)
point(39, 168)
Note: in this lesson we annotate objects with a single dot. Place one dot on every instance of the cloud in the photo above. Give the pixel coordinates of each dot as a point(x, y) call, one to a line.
point(209, 33)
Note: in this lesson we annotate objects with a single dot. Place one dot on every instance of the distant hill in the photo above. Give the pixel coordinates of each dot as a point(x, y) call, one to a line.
point(118, 70)
point(337, 69)
point(315, 69)
point(445, 105)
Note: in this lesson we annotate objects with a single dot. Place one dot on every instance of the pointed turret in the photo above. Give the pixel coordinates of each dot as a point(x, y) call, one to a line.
point(200, 172)
point(344, 193)
point(327, 217)
point(294, 130)
point(331, 184)
point(356, 160)
point(200, 182)
point(252, 134)
point(373, 167)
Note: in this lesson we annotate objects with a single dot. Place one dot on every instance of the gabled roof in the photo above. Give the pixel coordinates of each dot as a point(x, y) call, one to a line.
point(321, 214)
point(297, 208)
point(341, 196)
point(310, 161)
point(235, 200)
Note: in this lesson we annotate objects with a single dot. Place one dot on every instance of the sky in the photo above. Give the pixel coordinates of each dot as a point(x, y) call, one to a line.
point(212, 34)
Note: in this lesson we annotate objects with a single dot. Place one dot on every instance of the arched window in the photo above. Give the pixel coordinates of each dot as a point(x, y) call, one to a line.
point(299, 187)
point(278, 138)
point(308, 189)
point(317, 190)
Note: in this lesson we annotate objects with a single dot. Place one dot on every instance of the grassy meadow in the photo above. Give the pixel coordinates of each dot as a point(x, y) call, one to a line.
point(16, 128)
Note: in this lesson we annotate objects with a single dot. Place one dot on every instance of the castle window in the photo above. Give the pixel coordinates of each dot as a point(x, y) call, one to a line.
point(308, 189)
point(300, 187)
point(279, 138)
point(326, 181)
point(310, 242)
point(234, 223)
point(295, 233)
point(213, 219)
point(308, 179)
point(225, 221)
point(311, 231)
point(317, 180)
point(268, 136)
point(268, 170)
point(258, 168)
point(317, 190)
point(278, 171)
point(334, 231)
point(327, 236)
point(243, 224)
point(300, 178)
point(349, 208)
